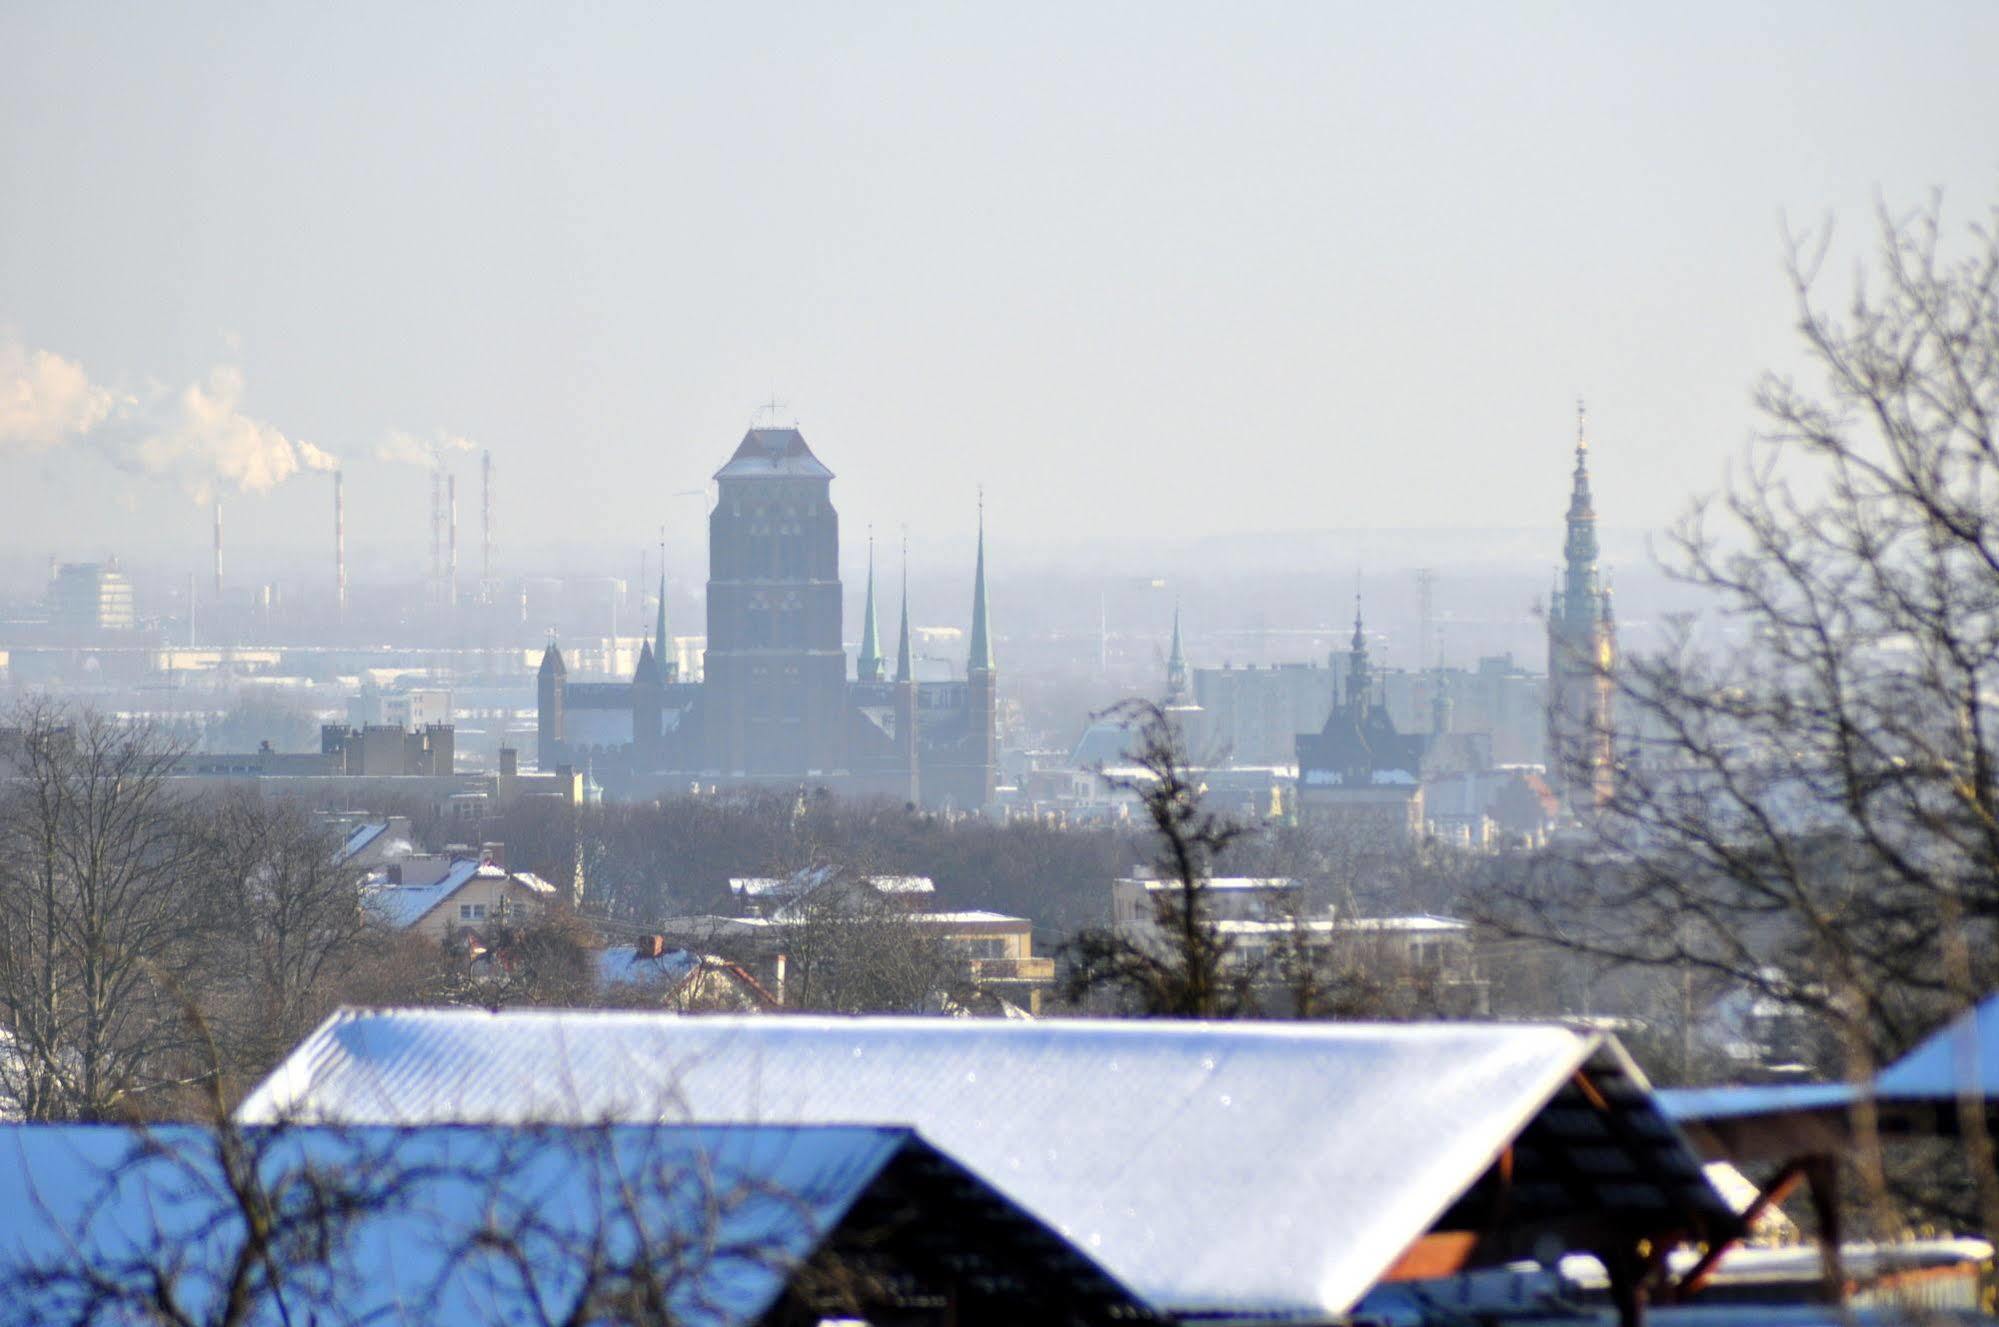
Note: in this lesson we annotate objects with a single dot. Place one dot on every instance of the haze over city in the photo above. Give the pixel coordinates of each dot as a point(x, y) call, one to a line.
point(956, 665)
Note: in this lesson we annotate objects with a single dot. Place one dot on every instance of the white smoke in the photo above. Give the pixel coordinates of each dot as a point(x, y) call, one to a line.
point(430, 452)
point(198, 437)
point(46, 400)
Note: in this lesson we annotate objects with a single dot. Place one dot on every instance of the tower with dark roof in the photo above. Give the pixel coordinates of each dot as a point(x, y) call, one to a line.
point(1582, 654)
point(774, 686)
point(551, 682)
point(1358, 776)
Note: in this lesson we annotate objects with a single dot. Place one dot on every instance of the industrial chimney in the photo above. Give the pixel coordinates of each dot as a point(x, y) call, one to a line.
point(485, 525)
point(339, 550)
point(218, 550)
point(451, 575)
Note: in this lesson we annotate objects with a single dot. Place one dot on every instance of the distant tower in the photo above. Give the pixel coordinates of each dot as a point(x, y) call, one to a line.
point(868, 667)
point(905, 692)
point(774, 699)
point(662, 644)
point(218, 550)
point(485, 527)
point(648, 702)
point(1582, 655)
point(1179, 684)
point(339, 550)
point(550, 685)
point(982, 682)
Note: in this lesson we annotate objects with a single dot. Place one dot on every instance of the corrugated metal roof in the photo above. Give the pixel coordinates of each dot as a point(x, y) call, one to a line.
point(1244, 1170)
point(741, 1206)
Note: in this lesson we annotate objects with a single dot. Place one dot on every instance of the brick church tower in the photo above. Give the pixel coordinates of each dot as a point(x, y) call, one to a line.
point(774, 692)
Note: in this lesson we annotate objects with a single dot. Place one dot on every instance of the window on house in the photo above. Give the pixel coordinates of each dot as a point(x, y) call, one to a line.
point(471, 912)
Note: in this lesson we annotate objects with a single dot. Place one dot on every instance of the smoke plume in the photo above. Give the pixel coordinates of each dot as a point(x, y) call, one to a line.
point(199, 437)
point(412, 449)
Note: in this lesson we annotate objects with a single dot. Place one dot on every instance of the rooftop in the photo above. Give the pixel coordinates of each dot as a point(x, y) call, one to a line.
point(773, 453)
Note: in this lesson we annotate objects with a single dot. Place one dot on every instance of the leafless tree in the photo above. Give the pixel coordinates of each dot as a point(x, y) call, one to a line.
point(285, 927)
point(98, 918)
point(849, 948)
point(1809, 804)
point(1187, 971)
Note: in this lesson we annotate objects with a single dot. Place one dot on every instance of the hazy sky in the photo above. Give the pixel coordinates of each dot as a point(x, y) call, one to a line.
point(1203, 268)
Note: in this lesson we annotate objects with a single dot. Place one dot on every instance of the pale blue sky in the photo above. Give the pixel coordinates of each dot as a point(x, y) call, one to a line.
point(1222, 267)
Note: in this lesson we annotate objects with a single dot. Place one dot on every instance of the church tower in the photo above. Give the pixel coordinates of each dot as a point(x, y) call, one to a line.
point(905, 695)
point(550, 687)
point(775, 671)
point(1582, 655)
point(982, 680)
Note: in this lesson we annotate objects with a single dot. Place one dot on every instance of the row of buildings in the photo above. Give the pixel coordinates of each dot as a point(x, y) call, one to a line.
point(775, 703)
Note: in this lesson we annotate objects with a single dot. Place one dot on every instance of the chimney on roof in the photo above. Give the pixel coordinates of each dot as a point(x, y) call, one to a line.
point(496, 853)
point(651, 946)
point(395, 870)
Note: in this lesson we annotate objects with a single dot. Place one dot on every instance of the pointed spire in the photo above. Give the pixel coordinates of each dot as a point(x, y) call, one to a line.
point(904, 671)
point(1360, 681)
point(869, 665)
point(551, 659)
point(981, 658)
point(662, 650)
point(647, 672)
point(1176, 663)
point(1579, 577)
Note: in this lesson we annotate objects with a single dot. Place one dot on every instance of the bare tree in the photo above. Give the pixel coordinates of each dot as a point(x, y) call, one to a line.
point(98, 923)
point(1808, 807)
point(285, 923)
point(1187, 971)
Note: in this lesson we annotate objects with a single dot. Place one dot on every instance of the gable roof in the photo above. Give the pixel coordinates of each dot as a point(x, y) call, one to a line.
point(725, 1215)
point(403, 906)
point(1219, 1170)
point(767, 453)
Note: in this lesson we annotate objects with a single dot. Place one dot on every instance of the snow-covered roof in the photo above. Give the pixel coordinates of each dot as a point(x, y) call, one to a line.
point(781, 453)
point(1417, 922)
point(804, 882)
point(403, 906)
point(729, 1213)
point(1230, 1170)
point(1223, 883)
point(626, 966)
point(362, 836)
point(973, 917)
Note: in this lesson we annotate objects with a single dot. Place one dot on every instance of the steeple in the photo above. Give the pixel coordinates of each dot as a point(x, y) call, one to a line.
point(981, 655)
point(904, 672)
point(1360, 679)
point(1579, 578)
point(551, 661)
point(869, 666)
point(1176, 664)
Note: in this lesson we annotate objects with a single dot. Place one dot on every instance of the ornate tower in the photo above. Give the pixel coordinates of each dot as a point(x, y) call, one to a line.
point(868, 666)
point(550, 731)
point(774, 687)
point(1582, 654)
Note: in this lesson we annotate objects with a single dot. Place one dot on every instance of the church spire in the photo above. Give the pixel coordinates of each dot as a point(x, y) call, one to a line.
point(869, 665)
point(981, 656)
point(904, 671)
point(669, 668)
point(1176, 664)
point(1579, 580)
point(1360, 680)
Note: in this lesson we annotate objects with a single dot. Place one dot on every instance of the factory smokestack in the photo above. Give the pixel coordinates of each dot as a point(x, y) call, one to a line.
point(218, 550)
point(451, 578)
point(485, 525)
point(339, 548)
point(436, 534)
